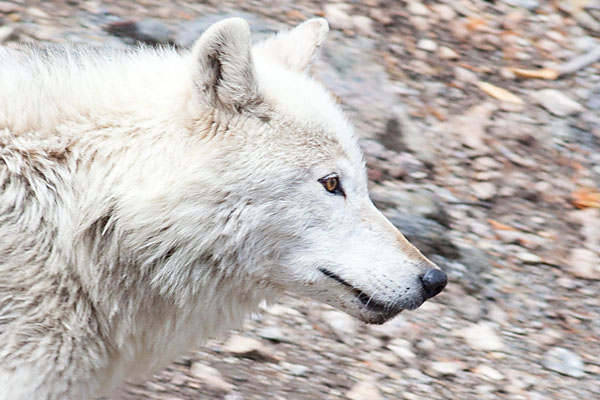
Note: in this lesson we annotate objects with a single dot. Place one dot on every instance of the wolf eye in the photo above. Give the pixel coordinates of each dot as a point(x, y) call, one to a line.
point(331, 183)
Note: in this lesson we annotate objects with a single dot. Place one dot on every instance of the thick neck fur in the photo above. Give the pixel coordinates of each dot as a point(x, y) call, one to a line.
point(122, 230)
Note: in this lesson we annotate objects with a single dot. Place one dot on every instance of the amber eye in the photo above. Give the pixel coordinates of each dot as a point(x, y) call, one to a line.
point(331, 183)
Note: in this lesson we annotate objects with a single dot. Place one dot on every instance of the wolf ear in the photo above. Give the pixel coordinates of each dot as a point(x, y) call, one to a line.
point(224, 72)
point(297, 49)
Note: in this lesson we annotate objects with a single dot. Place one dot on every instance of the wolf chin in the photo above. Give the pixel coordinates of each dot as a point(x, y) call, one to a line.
point(149, 199)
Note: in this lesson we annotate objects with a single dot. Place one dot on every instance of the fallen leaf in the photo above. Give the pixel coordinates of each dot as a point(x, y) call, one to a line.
point(499, 93)
point(542, 73)
point(586, 198)
point(500, 226)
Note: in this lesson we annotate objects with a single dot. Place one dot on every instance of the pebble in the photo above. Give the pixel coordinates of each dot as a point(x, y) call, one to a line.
point(418, 8)
point(7, 7)
point(427, 45)
point(295, 369)
point(529, 258)
point(272, 333)
point(247, 347)
point(465, 75)
point(364, 391)
point(342, 325)
point(447, 53)
point(528, 4)
point(444, 12)
point(402, 348)
point(211, 377)
point(482, 336)
point(488, 372)
point(584, 263)
point(564, 362)
point(484, 190)
point(557, 102)
point(447, 368)
point(7, 32)
point(337, 15)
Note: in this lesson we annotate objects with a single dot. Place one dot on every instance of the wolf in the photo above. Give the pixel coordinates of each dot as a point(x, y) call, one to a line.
point(151, 198)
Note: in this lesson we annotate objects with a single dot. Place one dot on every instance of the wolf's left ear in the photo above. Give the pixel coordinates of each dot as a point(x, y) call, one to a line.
point(224, 72)
point(297, 49)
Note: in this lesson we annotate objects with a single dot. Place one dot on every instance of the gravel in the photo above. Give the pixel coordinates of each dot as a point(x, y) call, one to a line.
point(484, 187)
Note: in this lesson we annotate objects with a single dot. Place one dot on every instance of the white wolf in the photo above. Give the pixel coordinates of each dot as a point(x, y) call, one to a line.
point(150, 199)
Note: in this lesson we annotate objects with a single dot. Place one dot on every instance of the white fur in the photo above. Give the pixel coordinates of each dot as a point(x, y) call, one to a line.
point(150, 199)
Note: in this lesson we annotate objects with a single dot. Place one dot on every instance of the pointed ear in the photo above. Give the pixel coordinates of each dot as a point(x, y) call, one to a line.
point(224, 72)
point(298, 48)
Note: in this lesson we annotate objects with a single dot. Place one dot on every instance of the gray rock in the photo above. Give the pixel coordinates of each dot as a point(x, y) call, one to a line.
point(412, 200)
point(427, 235)
point(564, 362)
point(150, 31)
point(557, 102)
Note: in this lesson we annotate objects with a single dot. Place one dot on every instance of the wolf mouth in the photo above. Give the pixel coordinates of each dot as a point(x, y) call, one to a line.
point(367, 300)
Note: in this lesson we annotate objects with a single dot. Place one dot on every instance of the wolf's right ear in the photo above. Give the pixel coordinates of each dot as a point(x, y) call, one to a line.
point(224, 72)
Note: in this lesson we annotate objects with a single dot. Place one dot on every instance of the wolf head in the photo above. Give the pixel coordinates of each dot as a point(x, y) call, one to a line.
point(295, 178)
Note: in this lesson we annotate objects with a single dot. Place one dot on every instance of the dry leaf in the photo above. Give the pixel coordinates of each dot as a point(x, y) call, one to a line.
point(586, 198)
point(542, 73)
point(500, 226)
point(499, 93)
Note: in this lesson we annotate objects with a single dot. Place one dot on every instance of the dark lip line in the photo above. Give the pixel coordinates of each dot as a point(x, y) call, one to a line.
point(364, 298)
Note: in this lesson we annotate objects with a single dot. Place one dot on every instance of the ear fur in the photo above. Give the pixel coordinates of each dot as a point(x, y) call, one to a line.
point(297, 49)
point(224, 72)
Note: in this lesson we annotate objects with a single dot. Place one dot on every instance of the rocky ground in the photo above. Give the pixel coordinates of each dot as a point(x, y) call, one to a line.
point(492, 170)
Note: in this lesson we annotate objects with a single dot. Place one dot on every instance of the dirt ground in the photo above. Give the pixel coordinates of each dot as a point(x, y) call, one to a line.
point(490, 169)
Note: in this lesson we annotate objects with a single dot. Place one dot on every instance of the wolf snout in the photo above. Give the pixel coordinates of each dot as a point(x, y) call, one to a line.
point(434, 281)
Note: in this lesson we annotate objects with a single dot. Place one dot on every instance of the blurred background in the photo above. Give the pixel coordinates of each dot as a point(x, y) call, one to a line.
point(481, 127)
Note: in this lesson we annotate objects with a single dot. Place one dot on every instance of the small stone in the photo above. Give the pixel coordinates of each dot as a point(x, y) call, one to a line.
point(363, 25)
point(482, 336)
point(402, 348)
point(427, 45)
point(295, 369)
point(564, 362)
point(364, 391)
point(211, 377)
point(528, 4)
point(464, 75)
point(484, 190)
point(444, 12)
point(7, 7)
point(585, 264)
point(337, 15)
point(247, 347)
point(447, 53)
point(488, 372)
point(272, 333)
point(557, 102)
point(343, 325)
point(417, 8)
point(529, 258)
point(7, 32)
point(447, 368)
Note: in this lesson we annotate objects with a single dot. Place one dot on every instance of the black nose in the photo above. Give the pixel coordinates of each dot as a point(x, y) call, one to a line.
point(434, 281)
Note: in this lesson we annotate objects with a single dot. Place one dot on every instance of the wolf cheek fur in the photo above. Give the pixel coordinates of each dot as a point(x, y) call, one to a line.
point(149, 200)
